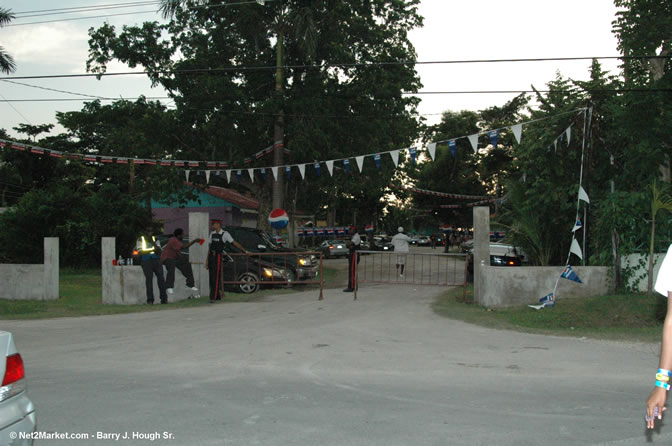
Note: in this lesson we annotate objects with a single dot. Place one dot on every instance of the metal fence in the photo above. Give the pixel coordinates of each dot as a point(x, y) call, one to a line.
point(375, 267)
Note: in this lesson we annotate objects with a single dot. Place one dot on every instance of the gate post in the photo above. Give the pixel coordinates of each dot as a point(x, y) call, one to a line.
point(481, 252)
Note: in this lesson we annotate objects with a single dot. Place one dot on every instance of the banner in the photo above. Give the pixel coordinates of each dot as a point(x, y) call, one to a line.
point(431, 148)
point(570, 274)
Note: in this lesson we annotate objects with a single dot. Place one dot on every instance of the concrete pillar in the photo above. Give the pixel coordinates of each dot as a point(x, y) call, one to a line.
point(51, 268)
point(199, 227)
point(111, 274)
point(481, 251)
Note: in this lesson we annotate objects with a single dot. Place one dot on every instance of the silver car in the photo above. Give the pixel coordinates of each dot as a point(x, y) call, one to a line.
point(17, 412)
point(334, 248)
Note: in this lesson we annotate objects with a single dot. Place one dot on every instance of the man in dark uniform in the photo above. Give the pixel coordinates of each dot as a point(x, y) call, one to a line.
point(353, 260)
point(148, 248)
point(217, 258)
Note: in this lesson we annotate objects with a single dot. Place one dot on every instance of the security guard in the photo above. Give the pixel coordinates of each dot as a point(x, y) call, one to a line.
point(217, 257)
point(148, 251)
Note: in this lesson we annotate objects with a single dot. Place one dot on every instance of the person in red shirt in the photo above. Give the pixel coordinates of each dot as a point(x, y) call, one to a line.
point(171, 258)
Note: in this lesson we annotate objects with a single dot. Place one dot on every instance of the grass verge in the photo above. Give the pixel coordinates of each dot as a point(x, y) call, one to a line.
point(625, 317)
point(81, 295)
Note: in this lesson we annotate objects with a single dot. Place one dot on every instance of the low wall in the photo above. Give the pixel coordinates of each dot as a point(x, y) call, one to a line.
point(503, 287)
point(639, 279)
point(33, 282)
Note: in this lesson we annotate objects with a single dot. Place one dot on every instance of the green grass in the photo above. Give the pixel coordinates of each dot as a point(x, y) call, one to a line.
point(81, 295)
point(632, 317)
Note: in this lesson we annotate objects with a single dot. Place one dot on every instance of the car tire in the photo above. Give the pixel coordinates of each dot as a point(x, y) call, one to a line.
point(251, 283)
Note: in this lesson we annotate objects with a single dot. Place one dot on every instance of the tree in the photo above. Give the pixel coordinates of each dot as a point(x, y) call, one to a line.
point(33, 130)
point(7, 64)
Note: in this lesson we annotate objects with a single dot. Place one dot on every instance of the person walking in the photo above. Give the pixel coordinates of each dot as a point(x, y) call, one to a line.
point(217, 258)
point(353, 259)
point(655, 404)
point(400, 243)
point(171, 258)
point(148, 249)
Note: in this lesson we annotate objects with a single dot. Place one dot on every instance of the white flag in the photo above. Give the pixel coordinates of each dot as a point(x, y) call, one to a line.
point(228, 176)
point(186, 174)
point(275, 173)
point(555, 145)
point(360, 162)
point(568, 133)
point(251, 172)
point(431, 148)
point(302, 169)
point(473, 139)
point(576, 249)
point(583, 195)
point(395, 157)
point(517, 131)
point(330, 167)
point(207, 176)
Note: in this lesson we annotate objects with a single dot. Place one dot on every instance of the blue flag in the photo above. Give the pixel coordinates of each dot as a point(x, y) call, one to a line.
point(453, 147)
point(413, 152)
point(545, 302)
point(288, 172)
point(570, 274)
point(317, 168)
point(239, 174)
point(376, 158)
point(494, 136)
point(346, 165)
point(263, 173)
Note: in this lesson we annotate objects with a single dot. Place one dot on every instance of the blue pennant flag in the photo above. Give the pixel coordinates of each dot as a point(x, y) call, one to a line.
point(494, 136)
point(239, 175)
point(545, 302)
point(578, 225)
point(413, 152)
point(317, 168)
point(263, 173)
point(346, 165)
point(453, 147)
point(288, 172)
point(376, 158)
point(570, 274)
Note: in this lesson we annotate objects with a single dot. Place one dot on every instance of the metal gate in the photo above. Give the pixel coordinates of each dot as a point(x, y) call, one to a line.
point(419, 269)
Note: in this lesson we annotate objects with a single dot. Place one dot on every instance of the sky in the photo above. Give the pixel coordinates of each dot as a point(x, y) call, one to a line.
point(453, 30)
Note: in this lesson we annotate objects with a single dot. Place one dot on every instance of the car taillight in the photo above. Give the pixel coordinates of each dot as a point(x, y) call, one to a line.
point(331, 246)
point(135, 252)
point(511, 262)
point(12, 382)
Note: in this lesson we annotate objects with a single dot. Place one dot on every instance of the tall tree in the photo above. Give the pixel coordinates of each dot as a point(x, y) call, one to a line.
point(7, 64)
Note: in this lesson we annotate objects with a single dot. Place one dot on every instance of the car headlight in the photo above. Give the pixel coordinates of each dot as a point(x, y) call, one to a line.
point(305, 261)
point(275, 273)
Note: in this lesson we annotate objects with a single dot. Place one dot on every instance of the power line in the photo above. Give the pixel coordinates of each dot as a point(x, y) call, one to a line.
point(336, 64)
point(56, 90)
point(79, 7)
point(76, 10)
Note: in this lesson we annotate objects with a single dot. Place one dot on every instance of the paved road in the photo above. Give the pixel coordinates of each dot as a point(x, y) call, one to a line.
point(292, 370)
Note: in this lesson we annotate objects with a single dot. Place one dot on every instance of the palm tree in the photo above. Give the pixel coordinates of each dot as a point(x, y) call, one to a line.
point(7, 64)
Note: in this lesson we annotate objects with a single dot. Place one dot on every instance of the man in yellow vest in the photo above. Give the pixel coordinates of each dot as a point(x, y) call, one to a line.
point(148, 250)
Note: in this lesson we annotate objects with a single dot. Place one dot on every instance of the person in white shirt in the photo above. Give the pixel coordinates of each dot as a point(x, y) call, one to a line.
point(400, 243)
point(655, 405)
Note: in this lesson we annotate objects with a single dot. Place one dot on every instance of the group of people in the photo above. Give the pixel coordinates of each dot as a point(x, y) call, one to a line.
point(153, 258)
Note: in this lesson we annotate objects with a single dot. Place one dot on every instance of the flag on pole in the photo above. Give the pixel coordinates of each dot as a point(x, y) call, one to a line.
point(576, 249)
point(452, 144)
point(517, 131)
point(431, 148)
point(473, 139)
point(494, 136)
point(570, 274)
point(583, 195)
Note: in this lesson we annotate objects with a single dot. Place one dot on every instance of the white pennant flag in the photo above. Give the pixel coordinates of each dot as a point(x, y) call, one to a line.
point(302, 169)
point(228, 176)
point(251, 172)
point(431, 148)
point(186, 174)
point(330, 167)
point(473, 139)
point(207, 176)
point(576, 249)
point(568, 132)
point(555, 145)
point(360, 162)
point(275, 173)
point(583, 195)
point(395, 157)
point(517, 131)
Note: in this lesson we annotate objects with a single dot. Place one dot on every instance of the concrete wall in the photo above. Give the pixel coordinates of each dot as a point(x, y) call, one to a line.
point(125, 285)
point(641, 275)
point(33, 282)
point(508, 286)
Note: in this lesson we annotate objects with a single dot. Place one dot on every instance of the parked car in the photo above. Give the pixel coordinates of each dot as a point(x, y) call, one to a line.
point(500, 255)
point(334, 248)
point(424, 240)
point(414, 240)
point(382, 244)
point(17, 411)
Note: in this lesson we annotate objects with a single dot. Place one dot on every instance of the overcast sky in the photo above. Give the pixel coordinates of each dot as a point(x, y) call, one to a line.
point(453, 30)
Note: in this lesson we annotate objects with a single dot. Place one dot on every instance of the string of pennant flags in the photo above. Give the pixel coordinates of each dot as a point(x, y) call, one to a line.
point(206, 168)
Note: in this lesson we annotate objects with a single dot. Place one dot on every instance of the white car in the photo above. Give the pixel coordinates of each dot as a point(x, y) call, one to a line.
point(17, 411)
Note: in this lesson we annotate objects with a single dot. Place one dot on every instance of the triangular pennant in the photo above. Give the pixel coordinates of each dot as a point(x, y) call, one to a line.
point(452, 144)
point(494, 136)
point(473, 139)
point(578, 225)
point(376, 158)
point(274, 170)
point(330, 167)
point(317, 168)
point(186, 174)
point(288, 172)
point(263, 173)
point(583, 195)
point(395, 156)
point(346, 165)
point(302, 170)
point(570, 274)
point(207, 176)
point(239, 175)
point(517, 132)
point(431, 148)
point(413, 153)
point(228, 176)
point(251, 172)
point(576, 249)
point(555, 145)
point(360, 162)
point(568, 134)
